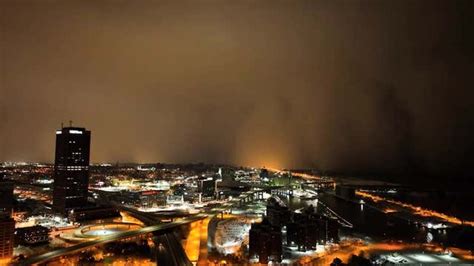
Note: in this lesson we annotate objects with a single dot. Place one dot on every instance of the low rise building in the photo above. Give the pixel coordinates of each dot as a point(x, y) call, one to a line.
point(32, 235)
point(93, 213)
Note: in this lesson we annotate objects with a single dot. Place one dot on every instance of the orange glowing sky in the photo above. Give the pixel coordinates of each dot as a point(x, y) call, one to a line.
point(284, 84)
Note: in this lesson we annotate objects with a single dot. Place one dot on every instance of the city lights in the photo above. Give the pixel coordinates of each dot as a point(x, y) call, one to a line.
point(212, 133)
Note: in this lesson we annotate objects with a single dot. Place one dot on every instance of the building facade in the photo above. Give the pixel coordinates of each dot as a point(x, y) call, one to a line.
point(71, 169)
point(265, 242)
point(207, 186)
point(278, 214)
point(7, 233)
point(6, 196)
point(32, 235)
point(308, 229)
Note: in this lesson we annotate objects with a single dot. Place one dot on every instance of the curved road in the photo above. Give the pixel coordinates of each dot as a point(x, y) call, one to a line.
point(149, 229)
point(106, 239)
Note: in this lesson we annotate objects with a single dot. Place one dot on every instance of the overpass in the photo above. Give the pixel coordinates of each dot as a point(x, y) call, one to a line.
point(169, 250)
point(162, 232)
point(155, 229)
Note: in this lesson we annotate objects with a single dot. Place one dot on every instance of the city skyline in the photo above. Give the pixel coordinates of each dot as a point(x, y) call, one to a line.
point(362, 87)
point(236, 132)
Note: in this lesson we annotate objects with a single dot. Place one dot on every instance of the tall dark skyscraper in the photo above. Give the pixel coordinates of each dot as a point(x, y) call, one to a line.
point(7, 230)
point(6, 196)
point(71, 168)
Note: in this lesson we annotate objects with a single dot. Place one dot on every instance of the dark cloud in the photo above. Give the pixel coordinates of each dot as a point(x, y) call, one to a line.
point(368, 86)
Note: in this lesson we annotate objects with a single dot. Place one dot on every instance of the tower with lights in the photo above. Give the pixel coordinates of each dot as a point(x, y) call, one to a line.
point(71, 168)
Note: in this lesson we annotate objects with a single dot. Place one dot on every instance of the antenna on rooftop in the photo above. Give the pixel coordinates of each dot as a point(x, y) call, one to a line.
point(70, 123)
point(62, 125)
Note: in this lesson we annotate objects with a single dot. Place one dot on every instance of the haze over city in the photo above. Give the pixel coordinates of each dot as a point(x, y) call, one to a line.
point(349, 86)
point(236, 132)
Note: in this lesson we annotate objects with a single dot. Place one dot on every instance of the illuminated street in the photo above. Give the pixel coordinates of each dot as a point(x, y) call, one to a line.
point(229, 219)
point(261, 132)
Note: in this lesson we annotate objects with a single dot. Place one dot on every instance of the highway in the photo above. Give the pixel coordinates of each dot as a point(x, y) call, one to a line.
point(118, 236)
point(170, 252)
point(41, 258)
point(107, 239)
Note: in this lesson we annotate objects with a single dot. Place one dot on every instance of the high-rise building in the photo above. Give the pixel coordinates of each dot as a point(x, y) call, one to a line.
point(207, 187)
point(6, 196)
point(265, 242)
point(278, 214)
point(71, 168)
point(227, 174)
point(308, 228)
point(7, 233)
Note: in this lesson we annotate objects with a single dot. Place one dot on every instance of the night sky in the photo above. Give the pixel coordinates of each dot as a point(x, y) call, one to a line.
point(351, 86)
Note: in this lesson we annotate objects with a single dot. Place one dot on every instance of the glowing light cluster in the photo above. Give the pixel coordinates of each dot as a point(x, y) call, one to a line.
point(301, 175)
point(416, 209)
point(306, 176)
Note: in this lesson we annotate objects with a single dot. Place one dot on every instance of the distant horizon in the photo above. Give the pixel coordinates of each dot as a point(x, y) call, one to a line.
point(306, 84)
point(321, 171)
point(161, 113)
